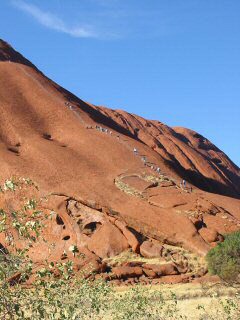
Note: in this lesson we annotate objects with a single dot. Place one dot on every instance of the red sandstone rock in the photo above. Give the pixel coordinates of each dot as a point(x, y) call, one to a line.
point(149, 249)
point(167, 184)
point(91, 267)
point(162, 269)
point(43, 138)
point(132, 240)
point(127, 272)
point(208, 235)
point(137, 183)
point(149, 273)
point(107, 241)
point(174, 279)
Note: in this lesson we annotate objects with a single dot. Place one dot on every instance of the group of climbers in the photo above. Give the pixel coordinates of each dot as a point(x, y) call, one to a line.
point(69, 105)
point(144, 160)
point(183, 184)
point(101, 129)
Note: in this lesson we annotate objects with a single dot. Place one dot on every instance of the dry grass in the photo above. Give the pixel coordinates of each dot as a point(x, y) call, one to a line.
point(128, 256)
point(195, 262)
point(192, 298)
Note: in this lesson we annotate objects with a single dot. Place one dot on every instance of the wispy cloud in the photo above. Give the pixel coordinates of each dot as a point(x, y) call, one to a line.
point(53, 22)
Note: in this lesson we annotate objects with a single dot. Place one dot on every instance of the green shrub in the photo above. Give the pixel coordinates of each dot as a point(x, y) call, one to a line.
point(224, 259)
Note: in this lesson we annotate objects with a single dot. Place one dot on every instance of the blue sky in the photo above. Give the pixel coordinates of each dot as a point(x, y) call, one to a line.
point(177, 61)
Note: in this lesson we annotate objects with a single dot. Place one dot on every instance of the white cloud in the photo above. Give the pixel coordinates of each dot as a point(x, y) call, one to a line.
point(53, 22)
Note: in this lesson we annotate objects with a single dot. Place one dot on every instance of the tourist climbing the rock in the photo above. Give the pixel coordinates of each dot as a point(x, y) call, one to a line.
point(184, 184)
point(144, 160)
point(135, 151)
point(158, 170)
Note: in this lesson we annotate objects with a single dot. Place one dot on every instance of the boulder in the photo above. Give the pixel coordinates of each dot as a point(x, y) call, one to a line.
point(91, 267)
point(107, 241)
point(174, 279)
point(162, 269)
point(209, 235)
point(149, 273)
point(132, 240)
point(127, 272)
point(149, 249)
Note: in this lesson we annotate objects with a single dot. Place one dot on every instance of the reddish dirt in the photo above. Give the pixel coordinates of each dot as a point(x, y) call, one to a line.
point(84, 154)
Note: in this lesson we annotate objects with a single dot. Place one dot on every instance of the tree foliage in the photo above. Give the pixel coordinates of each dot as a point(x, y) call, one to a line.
point(224, 259)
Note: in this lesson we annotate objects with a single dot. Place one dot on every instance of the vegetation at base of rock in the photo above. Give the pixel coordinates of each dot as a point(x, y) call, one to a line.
point(54, 292)
point(84, 299)
point(224, 259)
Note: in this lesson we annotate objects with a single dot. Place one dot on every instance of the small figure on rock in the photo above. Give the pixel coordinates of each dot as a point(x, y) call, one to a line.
point(184, 184)
point(135, 151)
point(144, 160)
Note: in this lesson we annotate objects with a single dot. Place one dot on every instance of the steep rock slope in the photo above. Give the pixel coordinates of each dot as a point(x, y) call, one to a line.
point(108, 198)
point(194, 157)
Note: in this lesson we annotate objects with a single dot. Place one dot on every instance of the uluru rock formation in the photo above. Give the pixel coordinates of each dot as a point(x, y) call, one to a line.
point(113, 178)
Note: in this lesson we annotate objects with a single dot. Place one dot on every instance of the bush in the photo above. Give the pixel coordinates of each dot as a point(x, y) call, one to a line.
point(224, 259)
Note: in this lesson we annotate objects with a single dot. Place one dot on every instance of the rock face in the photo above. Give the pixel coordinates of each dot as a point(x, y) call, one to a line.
point(127, 272)
point(167, 269)
point(209, 235)
point(192, 155)
point(131, 238)
point(114, 177)
point(149, 249)
point(107, 241)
